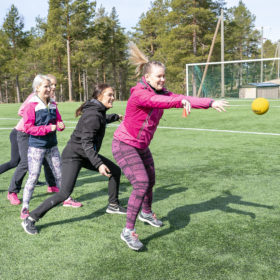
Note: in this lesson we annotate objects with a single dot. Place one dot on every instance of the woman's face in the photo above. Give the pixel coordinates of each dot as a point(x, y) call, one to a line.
point(156, 77)
point(43, 90)
point(53, 87)
point(107, 97)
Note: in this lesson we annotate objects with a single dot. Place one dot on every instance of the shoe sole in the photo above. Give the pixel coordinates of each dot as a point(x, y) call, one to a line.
point(114, 212)
point(149, 222)
point(131, 247)
point(22, 224)
point(72, 206)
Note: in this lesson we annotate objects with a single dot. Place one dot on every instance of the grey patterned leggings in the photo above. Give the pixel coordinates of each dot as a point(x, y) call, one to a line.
point(35, 160)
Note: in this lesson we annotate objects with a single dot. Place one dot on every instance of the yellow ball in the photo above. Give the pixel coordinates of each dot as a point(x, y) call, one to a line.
point(260, 106)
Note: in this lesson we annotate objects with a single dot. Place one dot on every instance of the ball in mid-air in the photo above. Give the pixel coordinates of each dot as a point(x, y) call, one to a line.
point(260, 106)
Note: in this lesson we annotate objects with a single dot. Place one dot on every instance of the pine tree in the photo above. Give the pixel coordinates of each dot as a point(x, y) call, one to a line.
point(5, 57)
point(18, 42)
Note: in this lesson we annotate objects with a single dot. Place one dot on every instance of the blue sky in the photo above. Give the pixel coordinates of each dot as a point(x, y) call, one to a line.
point(129, 11)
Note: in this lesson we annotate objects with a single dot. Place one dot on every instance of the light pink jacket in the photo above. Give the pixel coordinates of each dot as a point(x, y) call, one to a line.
point(144, 111)
point(20, 124)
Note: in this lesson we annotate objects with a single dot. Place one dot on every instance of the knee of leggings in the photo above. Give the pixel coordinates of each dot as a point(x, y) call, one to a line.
point(14, 163)
point(142, 187)
point(117, 172)
point(63, 195)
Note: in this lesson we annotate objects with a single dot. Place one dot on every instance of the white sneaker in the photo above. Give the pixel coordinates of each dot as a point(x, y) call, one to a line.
point(131, 239)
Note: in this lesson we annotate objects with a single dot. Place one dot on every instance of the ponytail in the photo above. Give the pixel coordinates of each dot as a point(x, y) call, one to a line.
point(141, 61)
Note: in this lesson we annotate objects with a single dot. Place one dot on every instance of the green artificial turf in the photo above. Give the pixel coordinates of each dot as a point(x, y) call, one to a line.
point(217, 193)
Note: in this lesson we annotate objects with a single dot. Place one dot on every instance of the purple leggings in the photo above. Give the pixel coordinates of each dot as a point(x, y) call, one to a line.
point(138, 167)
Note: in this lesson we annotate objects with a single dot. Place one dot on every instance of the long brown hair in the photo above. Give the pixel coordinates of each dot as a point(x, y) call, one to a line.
point(97, 91)
point(141, 61)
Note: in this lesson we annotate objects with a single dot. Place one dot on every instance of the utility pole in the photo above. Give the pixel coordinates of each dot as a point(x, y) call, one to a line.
point(262, 57)
point(222, 56)
point(209, 57)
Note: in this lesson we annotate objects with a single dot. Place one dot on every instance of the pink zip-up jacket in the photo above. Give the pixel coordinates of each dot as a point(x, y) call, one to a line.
point(20, 124)
point(144, 111)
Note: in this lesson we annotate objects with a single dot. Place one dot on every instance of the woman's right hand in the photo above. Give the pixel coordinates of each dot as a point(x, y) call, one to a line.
point(53, 127)
point(104, 170)
point(187, 105)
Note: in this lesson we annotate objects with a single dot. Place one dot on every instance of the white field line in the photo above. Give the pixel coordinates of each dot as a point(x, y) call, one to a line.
point(175, 128)
point(212, 130)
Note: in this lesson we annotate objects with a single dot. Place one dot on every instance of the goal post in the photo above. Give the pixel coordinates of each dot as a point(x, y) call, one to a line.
point(237, 73)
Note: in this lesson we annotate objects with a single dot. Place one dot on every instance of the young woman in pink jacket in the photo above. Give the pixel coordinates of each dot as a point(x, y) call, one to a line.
point(131, 141)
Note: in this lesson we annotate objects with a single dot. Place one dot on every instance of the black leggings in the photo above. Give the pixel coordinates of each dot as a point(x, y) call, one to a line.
point(71, 166)
point(15, 158)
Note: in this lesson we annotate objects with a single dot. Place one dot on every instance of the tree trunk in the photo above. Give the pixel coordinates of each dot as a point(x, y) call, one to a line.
point(61, 93)
point(84, 85)
point(80, 85)
point(121, 84)
point(87, 86)
point(6, 91)
point(17, 89)
point(69, 70)
point(97, 76)
point(1, 98)
point(114, 64)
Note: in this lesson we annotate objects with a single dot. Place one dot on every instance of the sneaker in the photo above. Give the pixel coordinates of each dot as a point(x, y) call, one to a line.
point(52, 189)
point(28, 225)
point(13, 198)
point(115, 209)
point(70, 202)
point(39, 183)
point(150, 219)
point(131, 238)
point(24, 213)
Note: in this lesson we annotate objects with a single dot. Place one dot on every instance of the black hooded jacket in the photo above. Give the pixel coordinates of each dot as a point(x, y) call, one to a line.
point(87, 137)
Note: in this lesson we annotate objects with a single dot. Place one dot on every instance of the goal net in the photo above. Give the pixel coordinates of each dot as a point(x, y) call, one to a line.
point(224, 79)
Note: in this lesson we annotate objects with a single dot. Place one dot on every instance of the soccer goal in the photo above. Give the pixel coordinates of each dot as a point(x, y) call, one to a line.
point(224, 79)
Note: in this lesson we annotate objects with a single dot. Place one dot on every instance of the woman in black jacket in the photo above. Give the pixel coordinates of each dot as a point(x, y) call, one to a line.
point(82, 151)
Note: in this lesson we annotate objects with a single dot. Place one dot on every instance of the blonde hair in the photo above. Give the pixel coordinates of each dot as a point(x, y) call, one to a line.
point(38, 81)
point(51, 76)
point(141, 61)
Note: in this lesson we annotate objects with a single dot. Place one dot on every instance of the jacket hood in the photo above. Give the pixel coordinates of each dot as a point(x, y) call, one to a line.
point(94, 104)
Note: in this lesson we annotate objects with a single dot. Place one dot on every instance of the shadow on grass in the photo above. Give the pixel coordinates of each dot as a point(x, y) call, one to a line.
point(163, 192)
point(180, 217)
point(93, 215)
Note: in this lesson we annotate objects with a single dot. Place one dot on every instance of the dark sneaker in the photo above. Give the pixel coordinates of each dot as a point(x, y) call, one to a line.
point(131, 238)
point(150, 219)
point(28, 225)
point(39, 183)
point(115, 209)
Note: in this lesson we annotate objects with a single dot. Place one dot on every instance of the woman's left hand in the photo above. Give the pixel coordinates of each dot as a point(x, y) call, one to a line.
point(121, 117)
point(219, 105)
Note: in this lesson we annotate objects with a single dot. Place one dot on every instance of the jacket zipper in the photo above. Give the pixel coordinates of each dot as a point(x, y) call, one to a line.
point(144, 123)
